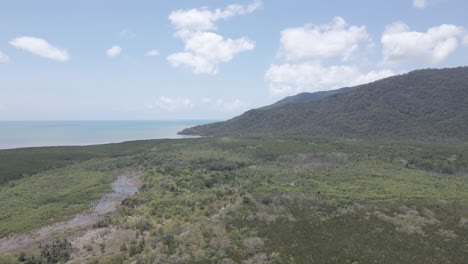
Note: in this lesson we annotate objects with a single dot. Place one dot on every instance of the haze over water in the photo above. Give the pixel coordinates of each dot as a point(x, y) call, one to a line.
point(19, 134)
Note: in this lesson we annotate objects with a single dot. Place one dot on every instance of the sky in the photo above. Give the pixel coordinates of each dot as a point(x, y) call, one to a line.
point(209, 59)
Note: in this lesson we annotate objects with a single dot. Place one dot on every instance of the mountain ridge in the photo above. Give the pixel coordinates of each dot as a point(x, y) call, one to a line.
point(305, 97)
point(421, 103)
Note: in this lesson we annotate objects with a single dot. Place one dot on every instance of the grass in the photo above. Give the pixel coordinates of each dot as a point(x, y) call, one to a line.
point(52, 196)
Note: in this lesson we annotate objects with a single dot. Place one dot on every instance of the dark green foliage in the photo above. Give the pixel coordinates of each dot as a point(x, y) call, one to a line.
point(119, 259)
point(246, 200)
point(102, 246)
point(123, 247)
point(107, 221)
point(22, 256)
point(56, 251)
point(18, 163)
point(143, 225)
point(136, 247)
point(420, 104)
point(25, 258)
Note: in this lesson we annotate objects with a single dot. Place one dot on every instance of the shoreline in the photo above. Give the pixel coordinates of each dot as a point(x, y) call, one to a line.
point(37, 134)
point(100, 144)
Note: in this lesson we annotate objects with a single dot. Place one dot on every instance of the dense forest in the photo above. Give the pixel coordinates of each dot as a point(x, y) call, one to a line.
point(419, 104)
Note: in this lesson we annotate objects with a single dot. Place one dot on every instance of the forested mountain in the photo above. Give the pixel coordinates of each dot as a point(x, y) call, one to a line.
point(430, 102)
point(305, 97)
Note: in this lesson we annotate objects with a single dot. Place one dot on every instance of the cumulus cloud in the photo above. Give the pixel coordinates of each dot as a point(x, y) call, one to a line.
point(305, 50)
point(465, 40)
point(152, 53)
point(204, 19)
point(337, 39)
point(401, 45)
point(198, 64)
point(171, 104)
point(4, 58)
point(288, 79)
point(420, 3)
point(205, 50)
point(40, 47)
point(114, 51)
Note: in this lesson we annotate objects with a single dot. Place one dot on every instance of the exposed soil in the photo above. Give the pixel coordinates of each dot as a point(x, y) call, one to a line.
point(126, 185)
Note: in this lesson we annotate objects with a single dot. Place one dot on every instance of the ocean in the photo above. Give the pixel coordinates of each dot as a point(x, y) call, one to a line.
point(20, 134)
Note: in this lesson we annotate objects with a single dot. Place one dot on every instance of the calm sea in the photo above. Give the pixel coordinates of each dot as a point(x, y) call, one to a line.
point(19, 134)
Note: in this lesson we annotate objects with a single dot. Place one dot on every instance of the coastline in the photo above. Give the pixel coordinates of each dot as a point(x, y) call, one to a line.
point(33, 134)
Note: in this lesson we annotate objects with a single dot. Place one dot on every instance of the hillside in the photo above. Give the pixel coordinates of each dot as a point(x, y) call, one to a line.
point(304, 98)
point(422, 103)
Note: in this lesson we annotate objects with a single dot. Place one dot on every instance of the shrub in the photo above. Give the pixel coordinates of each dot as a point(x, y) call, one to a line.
point(123, 247)
point(56, 251)
point(107, 221)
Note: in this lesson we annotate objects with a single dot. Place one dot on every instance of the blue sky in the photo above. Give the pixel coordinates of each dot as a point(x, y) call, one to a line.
point(88, 60)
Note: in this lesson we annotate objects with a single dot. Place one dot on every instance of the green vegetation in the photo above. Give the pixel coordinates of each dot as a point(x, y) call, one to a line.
point(56, 195)
point(54, 251)
point(19, 163)
point(241, 200)
point(421, 104)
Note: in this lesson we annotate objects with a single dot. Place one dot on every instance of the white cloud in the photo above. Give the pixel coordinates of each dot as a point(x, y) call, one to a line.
point(305, 50)
point(204, 50)
point(171, 104)
point(4, 58)
point(204, 19)
point(337, 39)
point(289, 79)
point(465, 40)
point(198, 64)
point(420, 3)
point(152, 53)
point(40, 47)
point(114, 51)
point(400, 45)
point(308, 52)
point(214, 47)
